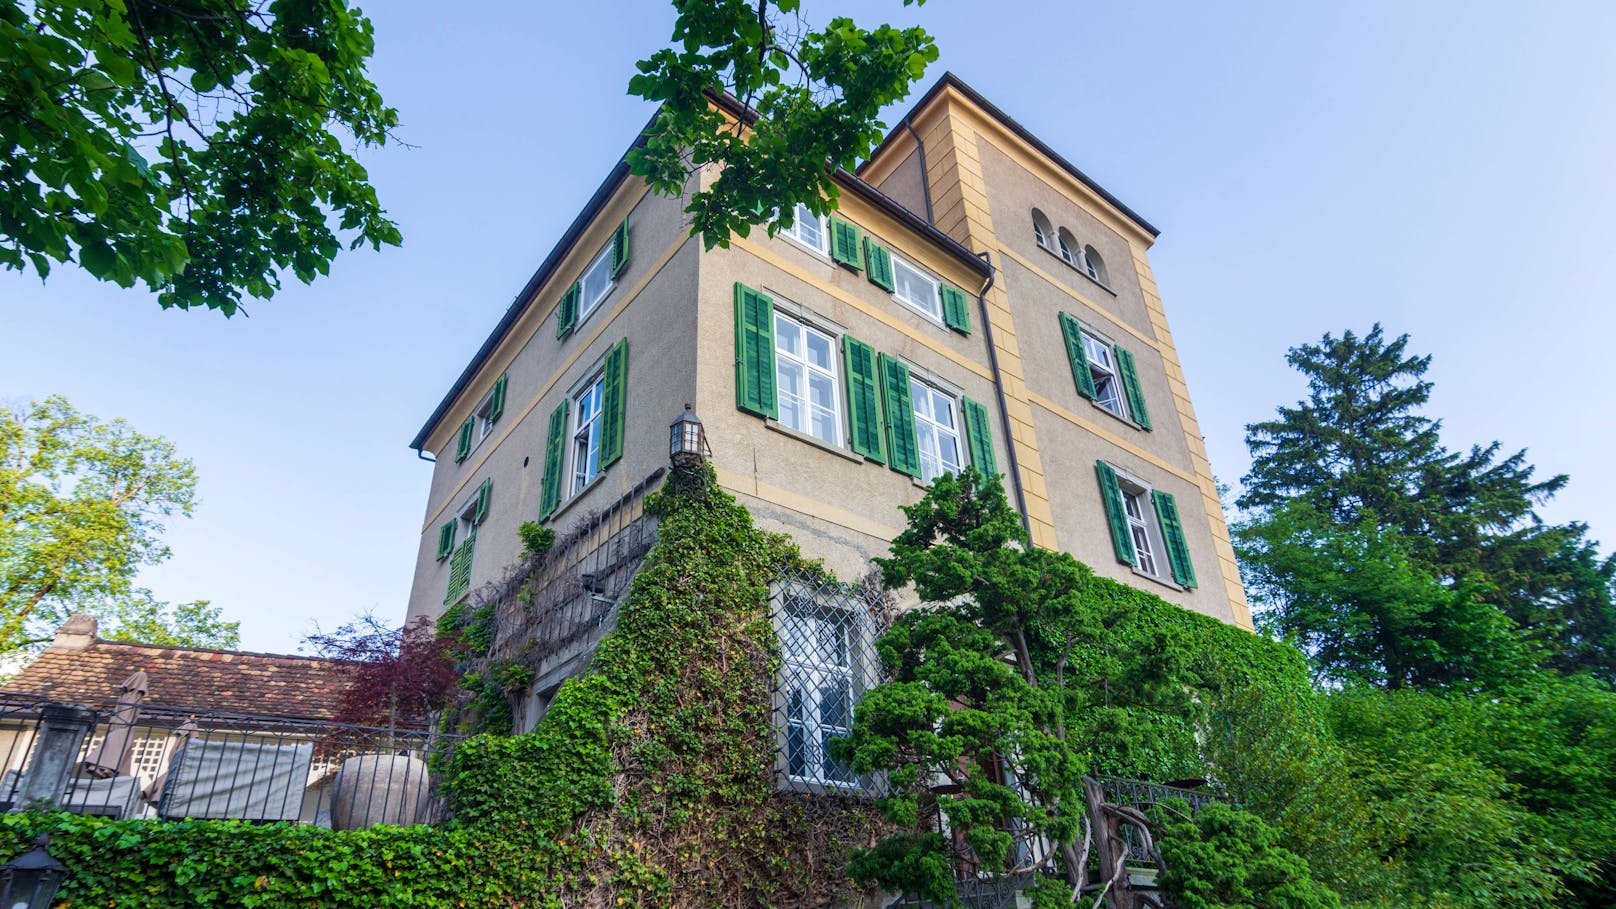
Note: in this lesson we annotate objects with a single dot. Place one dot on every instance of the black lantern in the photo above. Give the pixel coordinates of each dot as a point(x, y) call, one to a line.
point(687, 441)
point(30, 880)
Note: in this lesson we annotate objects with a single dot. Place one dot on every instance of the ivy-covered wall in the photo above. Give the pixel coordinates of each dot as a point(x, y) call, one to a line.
point(648, 783)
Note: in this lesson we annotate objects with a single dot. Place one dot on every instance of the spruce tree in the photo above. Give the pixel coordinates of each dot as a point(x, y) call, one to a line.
point(1353, 485)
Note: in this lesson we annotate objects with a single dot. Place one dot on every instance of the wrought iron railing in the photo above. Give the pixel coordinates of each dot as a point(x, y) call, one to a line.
point(827, 633)
point(145, 761)
point(556, 606)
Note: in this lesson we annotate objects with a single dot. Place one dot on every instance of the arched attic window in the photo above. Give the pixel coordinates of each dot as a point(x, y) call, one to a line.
point(1069, 250)
point(1041, 231)
point(1094, 265)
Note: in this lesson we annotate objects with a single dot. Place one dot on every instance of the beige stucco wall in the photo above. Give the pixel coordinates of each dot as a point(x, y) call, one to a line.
point(839, 506)
point(985, 182)
point(675, 304)
point(652, 305)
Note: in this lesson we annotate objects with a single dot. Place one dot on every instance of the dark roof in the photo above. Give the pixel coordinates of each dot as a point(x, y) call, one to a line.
point(596, 202)
point(992, 110)
point(216, 681)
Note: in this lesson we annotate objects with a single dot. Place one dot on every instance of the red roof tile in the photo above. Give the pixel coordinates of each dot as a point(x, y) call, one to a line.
point(223, 681)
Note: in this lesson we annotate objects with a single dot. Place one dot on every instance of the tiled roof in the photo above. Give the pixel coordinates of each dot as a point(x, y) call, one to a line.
point(223, 681)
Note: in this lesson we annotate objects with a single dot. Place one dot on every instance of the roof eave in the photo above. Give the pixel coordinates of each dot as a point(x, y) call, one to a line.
point(596, 202)
point(949, 80)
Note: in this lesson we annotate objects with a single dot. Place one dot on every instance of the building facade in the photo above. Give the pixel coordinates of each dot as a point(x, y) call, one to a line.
point(975, 299)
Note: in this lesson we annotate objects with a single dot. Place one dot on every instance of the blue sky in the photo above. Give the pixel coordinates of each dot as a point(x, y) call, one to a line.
point(1446, 168)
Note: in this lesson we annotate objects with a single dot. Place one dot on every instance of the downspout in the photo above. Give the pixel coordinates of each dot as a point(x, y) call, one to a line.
point(998, 386)
point(925, 177)
point(421, 453)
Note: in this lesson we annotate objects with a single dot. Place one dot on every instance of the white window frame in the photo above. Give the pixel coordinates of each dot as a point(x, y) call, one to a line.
point(1072, 257)
point(805, 726)
point(583, 442)
point(1102, 360)
point(807, 370)
point(927, 426)
point(1138, 507)
point(600, 270)
point(795, 232)
point(467, 516)
point(932, 306)
point(485, 426)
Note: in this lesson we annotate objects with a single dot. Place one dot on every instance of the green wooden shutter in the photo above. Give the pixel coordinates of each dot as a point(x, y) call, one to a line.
point(611, 406)
point(460, 569)
point(1178, 549)
point(463, 444)
point(1116, 514)
point(864, 400)
point(878, 265)
point(903, 451)
point(844, 243)
point(1079, 358)
point(1130, 387)
point(554, 443)
point(979, 438)
point(956, 314)
point(620, 248)
point(754, 353)
point(482, 502)
point(496, 400)
point(446, 535)
point(567, 311)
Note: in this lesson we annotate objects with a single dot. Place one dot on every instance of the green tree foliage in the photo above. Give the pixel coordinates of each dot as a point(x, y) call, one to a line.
point(1354, 597)
point(83, 505)
point(1023, 671)
point(197, 147)
point(142, 618)
point(816, 93)
point(1437, 567)
point(1225, 858)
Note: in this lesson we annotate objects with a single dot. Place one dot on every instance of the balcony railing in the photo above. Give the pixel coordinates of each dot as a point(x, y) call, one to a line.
point(119, 761)
point(557, 606)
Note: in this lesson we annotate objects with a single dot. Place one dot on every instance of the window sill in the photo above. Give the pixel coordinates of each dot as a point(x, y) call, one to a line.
point(1112, 414)
point(813, 440)
point(821, 255)
point(1170, 585)
point(573, 499)
point(1085, 275)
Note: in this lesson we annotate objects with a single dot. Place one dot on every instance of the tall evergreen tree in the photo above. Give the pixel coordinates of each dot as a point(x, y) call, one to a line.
point(1353, 484)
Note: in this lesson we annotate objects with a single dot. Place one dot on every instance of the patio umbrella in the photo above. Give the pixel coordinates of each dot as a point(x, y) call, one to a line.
point(171, 750)
point(107, 759)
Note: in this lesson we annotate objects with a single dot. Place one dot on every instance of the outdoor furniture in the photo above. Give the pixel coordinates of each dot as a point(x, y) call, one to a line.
point(116, 797)
point(236, 778)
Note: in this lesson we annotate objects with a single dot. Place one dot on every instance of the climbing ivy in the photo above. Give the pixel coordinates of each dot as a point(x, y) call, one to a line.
point(649, 782)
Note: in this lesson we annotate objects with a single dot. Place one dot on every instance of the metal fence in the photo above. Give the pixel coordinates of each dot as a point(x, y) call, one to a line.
point(139, 761)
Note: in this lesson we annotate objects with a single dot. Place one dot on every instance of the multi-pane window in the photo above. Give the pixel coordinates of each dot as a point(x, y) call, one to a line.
point(1133, 503)
point(586, 433)
point(937, 431)
point(808, 229)
point(1103, 369)
point(915, 288)
point(595, 283)
point(805, 369)
point(819, 644)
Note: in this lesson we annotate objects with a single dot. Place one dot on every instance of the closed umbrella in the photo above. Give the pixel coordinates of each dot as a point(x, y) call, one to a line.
point(171, 753)
point(108, 758)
